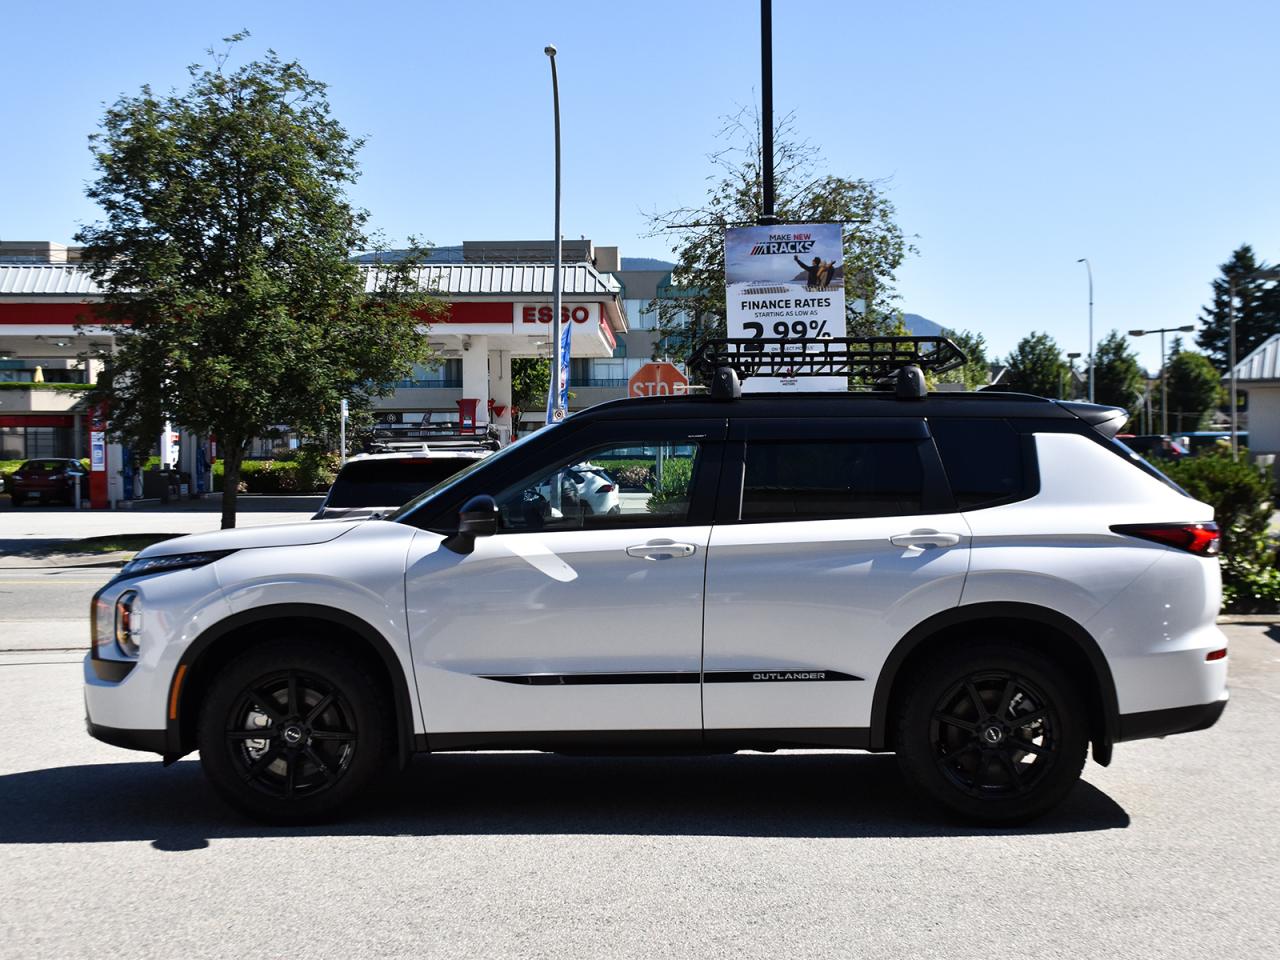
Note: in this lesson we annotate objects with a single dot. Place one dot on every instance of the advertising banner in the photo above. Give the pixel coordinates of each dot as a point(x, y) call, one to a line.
point(785, 283)
point(560, 379)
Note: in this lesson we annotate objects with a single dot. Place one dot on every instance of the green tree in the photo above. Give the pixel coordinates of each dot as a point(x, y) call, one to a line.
point(1195, 387)
point(976, 371)
point(1257, 311)
point(1118, 378)
point(1036, 366)
point(530, 381)
point(874, 245)
point(225, 255)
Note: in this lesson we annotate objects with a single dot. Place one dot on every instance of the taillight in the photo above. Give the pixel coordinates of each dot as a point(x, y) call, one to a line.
point(1198, 538)
point(607, 488)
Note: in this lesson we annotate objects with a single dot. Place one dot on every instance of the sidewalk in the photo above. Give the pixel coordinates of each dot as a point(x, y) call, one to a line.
point(39, 530)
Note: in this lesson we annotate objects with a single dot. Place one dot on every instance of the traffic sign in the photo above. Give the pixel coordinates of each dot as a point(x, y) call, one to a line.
point(658, 380)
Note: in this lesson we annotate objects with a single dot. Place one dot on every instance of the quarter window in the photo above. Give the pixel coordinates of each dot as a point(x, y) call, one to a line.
point(983, 460)
point(831, 479)
point(621, 485)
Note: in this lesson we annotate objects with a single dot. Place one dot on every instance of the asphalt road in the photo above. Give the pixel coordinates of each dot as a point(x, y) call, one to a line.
point(1171, 852)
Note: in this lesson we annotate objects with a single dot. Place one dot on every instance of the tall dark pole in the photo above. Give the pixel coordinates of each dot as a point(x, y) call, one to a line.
point(554, 410)
point(766, 108)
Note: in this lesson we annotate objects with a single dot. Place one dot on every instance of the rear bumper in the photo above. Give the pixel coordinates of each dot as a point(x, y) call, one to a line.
point(1163, 723)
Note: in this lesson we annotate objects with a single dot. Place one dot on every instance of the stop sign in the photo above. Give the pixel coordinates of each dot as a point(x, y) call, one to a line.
point(658, 380)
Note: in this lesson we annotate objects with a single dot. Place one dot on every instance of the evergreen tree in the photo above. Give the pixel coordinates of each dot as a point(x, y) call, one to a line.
point(1036, 366)
point(1195, 388)
point(1257, 311)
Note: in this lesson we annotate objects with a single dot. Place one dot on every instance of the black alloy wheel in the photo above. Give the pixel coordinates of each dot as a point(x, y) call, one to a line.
point(293, 730)
point(995, 734)
point(292, 734)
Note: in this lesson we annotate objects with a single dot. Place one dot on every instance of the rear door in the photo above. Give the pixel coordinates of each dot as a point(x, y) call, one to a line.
point(834, 538)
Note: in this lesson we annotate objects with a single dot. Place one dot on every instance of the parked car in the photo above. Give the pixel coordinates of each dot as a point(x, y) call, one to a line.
point(590, 489)
point(1154, 446)
point(377, 484)
point(984, 583)
point(47, 480)
point(1201, 440)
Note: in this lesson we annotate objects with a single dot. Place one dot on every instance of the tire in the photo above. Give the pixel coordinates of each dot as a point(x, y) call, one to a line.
point(17, 499)
point(329, 731)
point(992, 734)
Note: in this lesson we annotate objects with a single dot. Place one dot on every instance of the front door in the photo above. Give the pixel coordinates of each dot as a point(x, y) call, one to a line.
point(584, 612)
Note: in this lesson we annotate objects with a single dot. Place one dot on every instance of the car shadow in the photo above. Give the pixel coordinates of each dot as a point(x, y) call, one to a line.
point(829, 795)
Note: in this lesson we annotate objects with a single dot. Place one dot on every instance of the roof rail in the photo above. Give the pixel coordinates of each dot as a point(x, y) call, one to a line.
point(727, 362)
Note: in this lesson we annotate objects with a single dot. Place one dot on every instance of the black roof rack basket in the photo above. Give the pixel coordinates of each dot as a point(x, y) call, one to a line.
point(866, 358)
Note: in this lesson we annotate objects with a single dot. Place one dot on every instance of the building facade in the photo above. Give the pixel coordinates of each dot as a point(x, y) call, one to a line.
point(499, 297)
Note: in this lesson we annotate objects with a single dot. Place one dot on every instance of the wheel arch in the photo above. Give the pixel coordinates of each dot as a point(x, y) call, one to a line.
point(222, 640)
point(1084, 657)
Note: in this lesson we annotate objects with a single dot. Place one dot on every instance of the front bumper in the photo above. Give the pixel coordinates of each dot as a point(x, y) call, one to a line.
point(1163, 723)
point(152, 741)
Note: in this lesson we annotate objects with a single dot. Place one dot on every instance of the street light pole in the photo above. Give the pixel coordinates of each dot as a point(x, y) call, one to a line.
point(555, 412)
point(1164, 371)
point(1089, 267)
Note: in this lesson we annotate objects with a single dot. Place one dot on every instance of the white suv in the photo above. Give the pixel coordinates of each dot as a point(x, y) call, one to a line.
point(983, 583)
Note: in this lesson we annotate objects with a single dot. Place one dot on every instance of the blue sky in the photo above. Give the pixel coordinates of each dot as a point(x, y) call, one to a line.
point(1014, 138)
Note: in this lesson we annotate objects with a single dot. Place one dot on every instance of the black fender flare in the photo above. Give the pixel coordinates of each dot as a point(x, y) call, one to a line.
point(285, 611)
point(1001, 610)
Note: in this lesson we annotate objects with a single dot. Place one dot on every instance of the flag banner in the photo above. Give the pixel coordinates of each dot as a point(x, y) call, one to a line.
point(785, 283)
point(560, 378)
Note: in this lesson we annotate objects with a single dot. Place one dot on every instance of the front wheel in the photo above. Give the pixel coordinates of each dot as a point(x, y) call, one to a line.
point(293, 731)
point(993, 734)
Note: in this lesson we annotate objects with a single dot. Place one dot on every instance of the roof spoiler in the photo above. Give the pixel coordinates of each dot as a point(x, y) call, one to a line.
point(1106, 420)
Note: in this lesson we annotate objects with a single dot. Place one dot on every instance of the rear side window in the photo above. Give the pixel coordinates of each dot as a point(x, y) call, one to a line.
point(983, 459)
point(831, 479)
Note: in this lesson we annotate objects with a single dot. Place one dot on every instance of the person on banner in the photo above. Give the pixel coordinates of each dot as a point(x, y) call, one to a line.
point(819, 273)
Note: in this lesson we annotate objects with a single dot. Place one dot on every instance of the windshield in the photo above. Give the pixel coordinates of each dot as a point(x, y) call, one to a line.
point(389, 483)
point(448, 482)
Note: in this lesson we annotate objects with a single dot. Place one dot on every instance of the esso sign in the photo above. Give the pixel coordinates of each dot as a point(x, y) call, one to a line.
point(658, 380)
point(527, 313)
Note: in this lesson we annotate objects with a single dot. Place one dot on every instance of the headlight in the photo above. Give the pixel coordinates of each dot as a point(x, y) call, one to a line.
point(173, 561)
point(128, 623)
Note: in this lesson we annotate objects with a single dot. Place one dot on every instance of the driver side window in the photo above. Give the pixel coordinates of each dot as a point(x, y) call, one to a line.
point(631, 484)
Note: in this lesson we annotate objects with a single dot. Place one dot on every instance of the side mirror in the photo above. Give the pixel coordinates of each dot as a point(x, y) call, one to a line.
point(477, 518)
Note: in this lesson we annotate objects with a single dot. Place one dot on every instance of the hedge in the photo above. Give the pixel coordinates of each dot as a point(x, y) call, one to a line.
point(308, 473)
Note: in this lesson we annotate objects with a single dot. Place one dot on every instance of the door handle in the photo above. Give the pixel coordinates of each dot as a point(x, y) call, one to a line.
point(925, 538)
point(661, 550)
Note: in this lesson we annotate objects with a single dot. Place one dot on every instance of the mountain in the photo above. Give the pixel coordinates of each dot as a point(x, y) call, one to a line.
point(919, 326)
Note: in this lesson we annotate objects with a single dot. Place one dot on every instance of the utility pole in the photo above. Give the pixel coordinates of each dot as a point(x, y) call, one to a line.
point(555, 412)
point(766, 109)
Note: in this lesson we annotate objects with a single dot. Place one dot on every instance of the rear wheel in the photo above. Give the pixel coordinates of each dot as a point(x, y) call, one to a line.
point(17, 499)
point(993, 734)
point(293, 731)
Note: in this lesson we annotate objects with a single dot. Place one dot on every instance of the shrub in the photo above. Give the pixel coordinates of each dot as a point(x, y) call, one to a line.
point(671, 493)
point(309, 472)
point(1240, 495)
